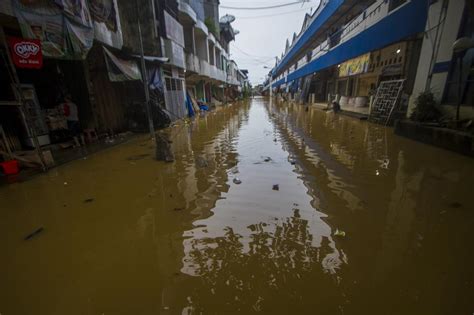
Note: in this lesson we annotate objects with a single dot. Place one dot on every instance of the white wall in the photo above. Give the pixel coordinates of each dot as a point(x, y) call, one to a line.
point(448, 31)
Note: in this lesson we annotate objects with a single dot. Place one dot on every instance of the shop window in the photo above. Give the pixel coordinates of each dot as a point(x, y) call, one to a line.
point(335, 38)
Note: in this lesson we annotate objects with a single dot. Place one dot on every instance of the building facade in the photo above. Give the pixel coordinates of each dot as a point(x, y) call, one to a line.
point(91, 52)
point(346, 49)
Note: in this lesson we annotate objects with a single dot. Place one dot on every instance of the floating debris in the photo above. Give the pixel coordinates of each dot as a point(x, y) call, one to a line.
point(339, 233)
point(276, 187)
point(163, 150)
point(201, 162)
point(237, 181)
point(65, 183)
point(88, 200)
point(292, 161)
point(34, 233)
point(267, 159)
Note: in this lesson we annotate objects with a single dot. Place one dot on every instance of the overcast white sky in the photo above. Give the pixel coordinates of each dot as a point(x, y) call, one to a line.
point(263, 33)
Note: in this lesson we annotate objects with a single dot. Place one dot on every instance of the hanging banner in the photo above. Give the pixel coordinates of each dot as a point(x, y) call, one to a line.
point(106, 21)
point(76, 10)
point(64, 27)
point(26, 53)
point(355, 66)
point(103, 11)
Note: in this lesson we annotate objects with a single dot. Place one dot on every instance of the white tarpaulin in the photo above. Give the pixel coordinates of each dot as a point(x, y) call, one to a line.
point(121, 70)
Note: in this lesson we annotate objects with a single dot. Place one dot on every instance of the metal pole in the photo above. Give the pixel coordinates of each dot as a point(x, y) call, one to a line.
point(23, 112)
point(145, 77)
point(458, 107)
point(271, 88)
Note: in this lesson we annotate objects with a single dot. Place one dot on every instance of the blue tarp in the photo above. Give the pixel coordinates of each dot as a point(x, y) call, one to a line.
point(189, 105)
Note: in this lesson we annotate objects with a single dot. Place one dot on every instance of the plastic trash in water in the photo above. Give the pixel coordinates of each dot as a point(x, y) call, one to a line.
point(276, 187)
point(237, 181)
point(339, 233)
point(34, 233)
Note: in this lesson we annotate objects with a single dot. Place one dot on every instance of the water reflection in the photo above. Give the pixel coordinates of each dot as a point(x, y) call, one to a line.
point(258, 248)
point(181, 237)
point(273, 264)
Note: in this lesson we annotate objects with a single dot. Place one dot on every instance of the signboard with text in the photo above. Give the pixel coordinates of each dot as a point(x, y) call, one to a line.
point(355, 66)
point(26, 53)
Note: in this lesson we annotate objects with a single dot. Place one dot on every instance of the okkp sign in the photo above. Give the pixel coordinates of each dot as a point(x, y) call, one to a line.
point(26, 53)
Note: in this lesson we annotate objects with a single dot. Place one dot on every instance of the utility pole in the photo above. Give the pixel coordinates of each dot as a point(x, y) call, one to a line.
point(145, 77)
point(271, 81)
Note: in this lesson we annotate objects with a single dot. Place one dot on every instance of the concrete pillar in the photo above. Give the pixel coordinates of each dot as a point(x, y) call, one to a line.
point(194, 40)
point(424, 79)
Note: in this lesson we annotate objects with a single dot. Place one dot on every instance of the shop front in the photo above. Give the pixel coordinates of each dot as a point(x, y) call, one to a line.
point(56, 90)
point(357, 79)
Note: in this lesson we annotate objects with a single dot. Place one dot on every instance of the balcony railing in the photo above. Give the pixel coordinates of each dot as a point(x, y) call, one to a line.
point(310, 21)
point(205, 68)
point(221, 75)
point(186, 8)
point(175, 53)
point(232, 80)
point(371, 16)
point(213, 72)
point(192, 63)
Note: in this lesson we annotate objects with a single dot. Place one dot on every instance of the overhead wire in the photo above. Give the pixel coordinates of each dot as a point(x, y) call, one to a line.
point(250, 55)
point(265, 7)
point(272, 15)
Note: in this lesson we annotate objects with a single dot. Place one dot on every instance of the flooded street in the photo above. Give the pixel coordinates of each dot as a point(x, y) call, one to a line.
point(268, 208)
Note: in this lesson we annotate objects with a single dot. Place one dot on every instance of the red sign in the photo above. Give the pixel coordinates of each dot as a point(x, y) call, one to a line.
point(26, 53)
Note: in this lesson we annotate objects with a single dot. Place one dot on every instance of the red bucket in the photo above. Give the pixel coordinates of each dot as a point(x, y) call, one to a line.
point(10, 167)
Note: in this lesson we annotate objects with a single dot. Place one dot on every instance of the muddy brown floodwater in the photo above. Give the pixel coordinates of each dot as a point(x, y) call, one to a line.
point(249, 218)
